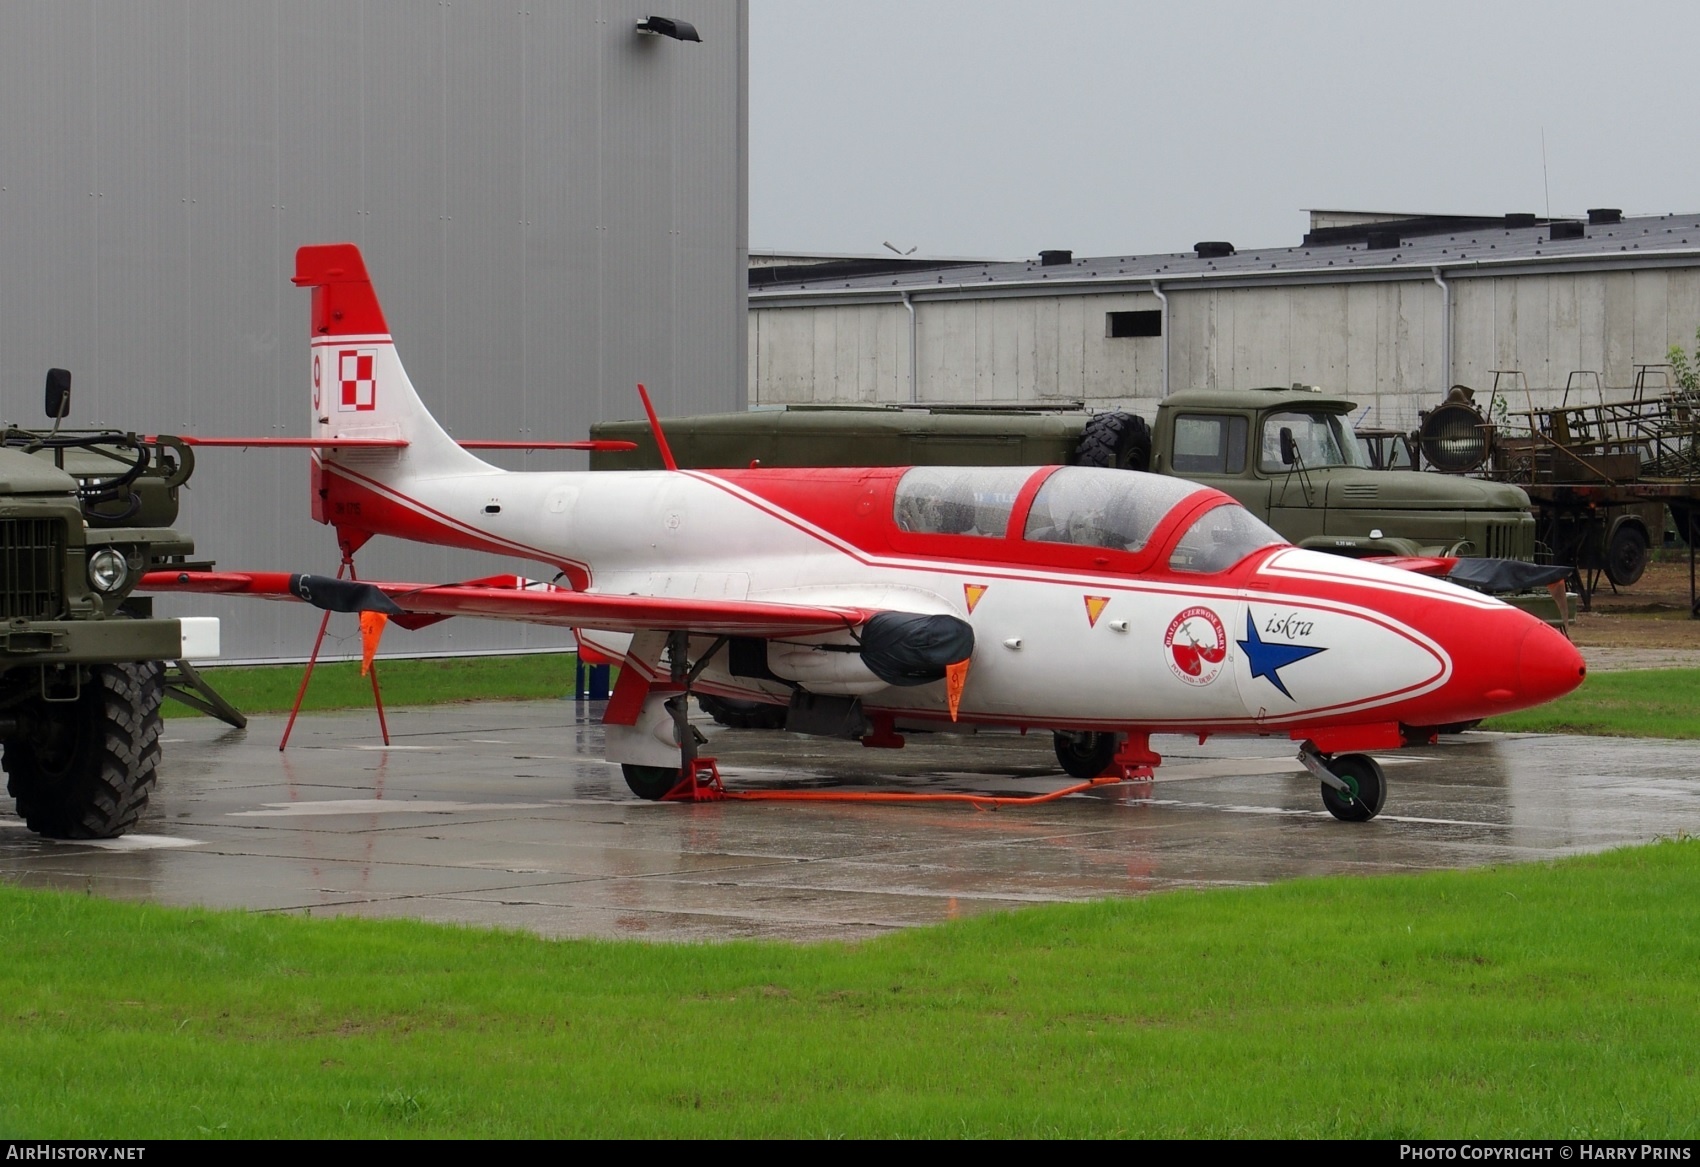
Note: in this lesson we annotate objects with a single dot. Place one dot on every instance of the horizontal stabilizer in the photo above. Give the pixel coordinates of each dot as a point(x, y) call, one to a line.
point(598, 444)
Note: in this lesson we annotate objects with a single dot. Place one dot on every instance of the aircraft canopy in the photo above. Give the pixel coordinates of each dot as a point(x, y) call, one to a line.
point(1079, 505)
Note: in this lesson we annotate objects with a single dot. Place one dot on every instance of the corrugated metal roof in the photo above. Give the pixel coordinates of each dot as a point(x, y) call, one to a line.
point(1634, 242)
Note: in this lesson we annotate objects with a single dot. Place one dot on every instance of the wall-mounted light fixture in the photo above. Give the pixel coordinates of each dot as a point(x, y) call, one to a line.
point(679, 30)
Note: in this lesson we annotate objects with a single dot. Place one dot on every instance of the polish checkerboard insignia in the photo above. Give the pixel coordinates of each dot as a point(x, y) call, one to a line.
point(359, 388)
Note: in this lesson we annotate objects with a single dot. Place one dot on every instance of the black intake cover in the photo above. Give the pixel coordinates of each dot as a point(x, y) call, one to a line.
point(1497, 576)
point(905, 648)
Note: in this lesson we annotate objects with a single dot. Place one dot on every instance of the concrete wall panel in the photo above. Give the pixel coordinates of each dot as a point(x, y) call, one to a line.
point(552, 206)
point(1380, 342)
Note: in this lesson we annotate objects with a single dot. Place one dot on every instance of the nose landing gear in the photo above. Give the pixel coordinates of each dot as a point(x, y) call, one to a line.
point(1353, 785)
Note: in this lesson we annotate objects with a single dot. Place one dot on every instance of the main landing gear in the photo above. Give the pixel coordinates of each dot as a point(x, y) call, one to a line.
point(1353, 785)
point(695, 778)
point(1085, 755)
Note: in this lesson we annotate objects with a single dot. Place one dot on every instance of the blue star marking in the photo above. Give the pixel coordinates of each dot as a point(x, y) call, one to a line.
point(1267, 658)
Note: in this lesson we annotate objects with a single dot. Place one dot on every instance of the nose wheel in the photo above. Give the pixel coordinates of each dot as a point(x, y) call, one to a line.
point(1353, 785)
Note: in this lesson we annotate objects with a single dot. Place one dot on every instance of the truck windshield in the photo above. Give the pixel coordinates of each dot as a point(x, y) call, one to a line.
point(1320, 439)
point(1103, 508)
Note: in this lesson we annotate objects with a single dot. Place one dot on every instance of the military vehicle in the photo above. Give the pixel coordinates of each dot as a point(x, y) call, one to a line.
point(1288, 455)
point(83, 513)
point(1599, 476)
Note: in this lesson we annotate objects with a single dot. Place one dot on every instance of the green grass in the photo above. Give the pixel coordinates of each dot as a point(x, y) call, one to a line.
point(1537, 1001)
point(1644, 703)
point(271, 689)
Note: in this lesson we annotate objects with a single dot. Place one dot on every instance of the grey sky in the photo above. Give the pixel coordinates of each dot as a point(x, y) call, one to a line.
point(999, 127)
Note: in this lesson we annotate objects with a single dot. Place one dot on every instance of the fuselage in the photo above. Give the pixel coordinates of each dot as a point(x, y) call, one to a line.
point(1068, 634)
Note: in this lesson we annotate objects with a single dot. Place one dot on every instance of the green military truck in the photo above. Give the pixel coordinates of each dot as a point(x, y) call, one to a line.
point(82, 515)
point(1288, 455)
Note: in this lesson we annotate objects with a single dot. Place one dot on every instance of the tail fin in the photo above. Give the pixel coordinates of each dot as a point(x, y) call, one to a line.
point(360, 388)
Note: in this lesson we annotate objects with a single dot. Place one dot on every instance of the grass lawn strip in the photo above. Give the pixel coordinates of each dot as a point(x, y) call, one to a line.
point(1535, 1001)
point(1642, 703)
point(339, 685)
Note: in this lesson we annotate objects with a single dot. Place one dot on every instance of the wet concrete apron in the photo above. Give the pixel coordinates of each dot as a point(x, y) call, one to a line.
point(504, 814)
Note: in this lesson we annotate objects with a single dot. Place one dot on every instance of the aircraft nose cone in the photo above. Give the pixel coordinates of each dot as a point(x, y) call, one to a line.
point(1548, 665)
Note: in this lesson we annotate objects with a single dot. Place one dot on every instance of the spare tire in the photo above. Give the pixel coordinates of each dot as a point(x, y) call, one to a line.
point(1116, 441)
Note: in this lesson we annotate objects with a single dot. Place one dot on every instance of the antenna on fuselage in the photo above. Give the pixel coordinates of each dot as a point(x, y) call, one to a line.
point(655, 428)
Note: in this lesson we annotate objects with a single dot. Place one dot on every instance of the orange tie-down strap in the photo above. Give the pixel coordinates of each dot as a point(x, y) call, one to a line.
point(687, 791)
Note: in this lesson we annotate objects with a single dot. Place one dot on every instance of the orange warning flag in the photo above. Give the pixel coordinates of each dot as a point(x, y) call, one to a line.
point(973, 592)
point(372, 626)
point(955, 676)
point(1095, 606)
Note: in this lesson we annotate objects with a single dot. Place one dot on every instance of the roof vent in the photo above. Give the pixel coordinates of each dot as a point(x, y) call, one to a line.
point(1520, 219)
point(1604, 216)
point(1055, 258)
point(1213, 249)
point(1567, 229)
point(1382, 240)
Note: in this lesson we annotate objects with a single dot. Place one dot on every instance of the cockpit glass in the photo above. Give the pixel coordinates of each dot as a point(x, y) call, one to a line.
point(1103, 508)
point(1220, 538)
point(959, 500)
point(1319, 439)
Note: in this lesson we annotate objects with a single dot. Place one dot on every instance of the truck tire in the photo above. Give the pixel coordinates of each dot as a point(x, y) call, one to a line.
point(1627, 554)
point(1117, 441)
point(736, 714)
point(83, 769)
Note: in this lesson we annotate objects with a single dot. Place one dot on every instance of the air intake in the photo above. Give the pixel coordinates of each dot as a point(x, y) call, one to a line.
point(1213, 249)
point(1520, 219)
point(1604, 216)
point(1055, 258)
point(1567, 229)
point(1382, 240)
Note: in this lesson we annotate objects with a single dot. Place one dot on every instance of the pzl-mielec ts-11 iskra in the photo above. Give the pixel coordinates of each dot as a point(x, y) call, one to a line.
point(1102, 605)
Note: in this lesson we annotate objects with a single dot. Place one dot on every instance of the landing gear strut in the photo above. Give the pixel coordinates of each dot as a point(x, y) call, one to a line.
point(1353, 785)
point(696, 779)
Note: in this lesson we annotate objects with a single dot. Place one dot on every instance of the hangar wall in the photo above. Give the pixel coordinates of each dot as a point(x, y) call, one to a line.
point(552, 206)
point(1380, 341)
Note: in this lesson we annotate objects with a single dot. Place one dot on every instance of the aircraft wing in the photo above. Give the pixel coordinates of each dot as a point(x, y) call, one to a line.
point(515, 598)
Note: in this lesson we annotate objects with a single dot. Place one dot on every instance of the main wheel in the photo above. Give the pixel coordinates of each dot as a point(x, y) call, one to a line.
point(83, 769)
point(650, 782)
point(1368, 785)
point(1085, 755)
point(1626, 558)
point(1116, 441)
point(739, 714)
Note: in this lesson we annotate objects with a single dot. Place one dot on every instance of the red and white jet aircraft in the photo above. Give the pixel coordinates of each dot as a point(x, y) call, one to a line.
point(1102, 605)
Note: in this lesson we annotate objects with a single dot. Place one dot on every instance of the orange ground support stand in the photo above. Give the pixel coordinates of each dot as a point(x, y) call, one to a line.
point(347, 566)
point(704, 784)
